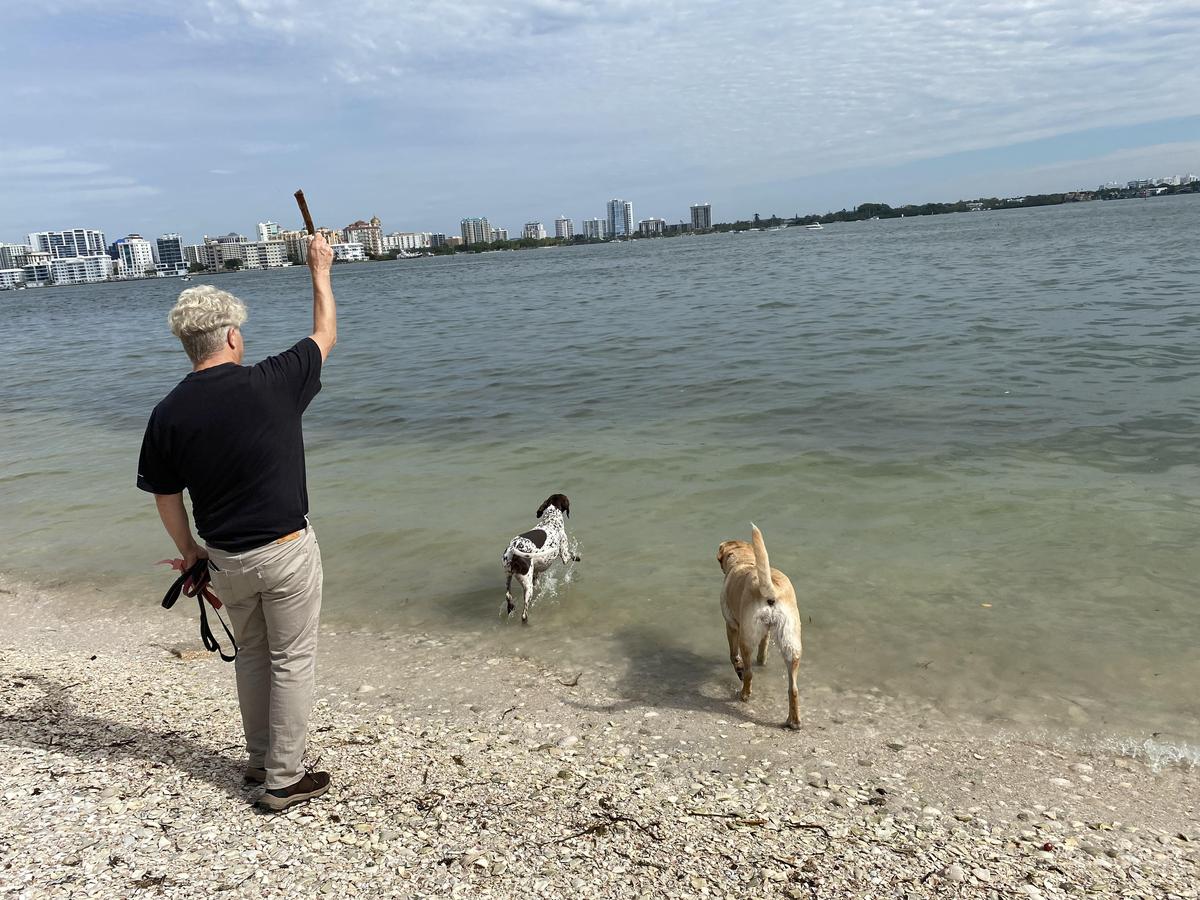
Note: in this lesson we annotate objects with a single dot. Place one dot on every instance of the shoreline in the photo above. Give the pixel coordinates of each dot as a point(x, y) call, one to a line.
point(499, 777)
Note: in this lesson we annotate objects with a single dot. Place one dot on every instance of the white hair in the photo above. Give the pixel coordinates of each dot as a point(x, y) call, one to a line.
point(201, 318)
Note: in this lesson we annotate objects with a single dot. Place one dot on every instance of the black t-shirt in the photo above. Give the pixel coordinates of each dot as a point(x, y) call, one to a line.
point(231, 435)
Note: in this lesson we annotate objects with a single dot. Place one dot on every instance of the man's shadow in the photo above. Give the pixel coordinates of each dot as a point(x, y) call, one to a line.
point(57, 722)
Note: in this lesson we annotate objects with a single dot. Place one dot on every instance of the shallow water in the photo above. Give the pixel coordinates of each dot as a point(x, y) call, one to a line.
point(970, 440)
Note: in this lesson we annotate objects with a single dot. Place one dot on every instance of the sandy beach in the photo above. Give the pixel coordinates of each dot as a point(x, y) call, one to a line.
point(121, 755)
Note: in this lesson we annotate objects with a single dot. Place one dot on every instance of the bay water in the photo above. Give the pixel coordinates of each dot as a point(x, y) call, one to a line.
point(970, 440)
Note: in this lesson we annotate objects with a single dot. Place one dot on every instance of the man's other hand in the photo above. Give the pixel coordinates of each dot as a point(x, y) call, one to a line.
point(320, 254)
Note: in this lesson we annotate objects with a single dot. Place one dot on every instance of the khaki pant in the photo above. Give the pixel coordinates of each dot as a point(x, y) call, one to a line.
point(273, 594)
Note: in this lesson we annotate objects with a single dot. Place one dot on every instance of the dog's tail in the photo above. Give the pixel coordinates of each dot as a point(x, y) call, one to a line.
point(762, 565)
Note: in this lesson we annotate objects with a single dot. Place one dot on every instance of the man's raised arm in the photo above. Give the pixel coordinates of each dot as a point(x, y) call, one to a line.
point(320, 262)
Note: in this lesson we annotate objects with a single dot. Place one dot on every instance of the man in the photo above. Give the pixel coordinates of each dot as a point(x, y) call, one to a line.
point(231, 435)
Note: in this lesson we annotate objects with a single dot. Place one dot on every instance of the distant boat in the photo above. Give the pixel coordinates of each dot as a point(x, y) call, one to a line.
point(185, 277)
point(815, 226)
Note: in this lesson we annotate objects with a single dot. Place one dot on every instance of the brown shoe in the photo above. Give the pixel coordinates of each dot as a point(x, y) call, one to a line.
point(313, 784)
point(255, 776)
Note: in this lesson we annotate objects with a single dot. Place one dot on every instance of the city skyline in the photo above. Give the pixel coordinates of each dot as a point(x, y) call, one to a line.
point(756, 106)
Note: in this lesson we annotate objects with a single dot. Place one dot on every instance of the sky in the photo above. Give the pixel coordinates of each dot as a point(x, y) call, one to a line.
point(204, 116)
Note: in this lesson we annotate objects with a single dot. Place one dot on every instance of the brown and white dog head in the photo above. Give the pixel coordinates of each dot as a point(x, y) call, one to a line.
point(559, 502)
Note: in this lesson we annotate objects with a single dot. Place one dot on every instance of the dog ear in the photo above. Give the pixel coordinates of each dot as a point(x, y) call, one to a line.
point(559, 502)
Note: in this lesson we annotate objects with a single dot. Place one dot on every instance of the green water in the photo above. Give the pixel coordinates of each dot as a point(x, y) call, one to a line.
point(970, 440)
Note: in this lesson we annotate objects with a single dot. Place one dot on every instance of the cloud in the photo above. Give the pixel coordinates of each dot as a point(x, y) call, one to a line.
point(779, 88)
point(516, 106)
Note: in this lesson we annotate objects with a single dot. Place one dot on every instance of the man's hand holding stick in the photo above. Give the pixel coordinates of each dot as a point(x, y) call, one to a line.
point(320, 263)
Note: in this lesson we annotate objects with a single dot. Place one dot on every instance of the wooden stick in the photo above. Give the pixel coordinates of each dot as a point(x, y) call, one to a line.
point(303, 204)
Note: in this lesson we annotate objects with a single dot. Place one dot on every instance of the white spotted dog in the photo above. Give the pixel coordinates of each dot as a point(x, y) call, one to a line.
point(533, 552)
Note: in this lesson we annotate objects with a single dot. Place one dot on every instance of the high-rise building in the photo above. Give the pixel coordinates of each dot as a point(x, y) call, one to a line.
point(595, 229)
point(135, 256)
point(476, 231)
point(499, 234)
point(268, 231)
point(620, 218)
point(71, 243)
point(296, 243)
point(701, 217)
point(198, 255)
point(437, 239)
point(169, 250)
point(564, 228)
point(10, 278)
point(652, 226)
point(535, 231)
point(13, 256)
point(369, 234)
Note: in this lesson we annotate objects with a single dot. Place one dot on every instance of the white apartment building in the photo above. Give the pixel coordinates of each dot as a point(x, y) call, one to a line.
point(81, 269)
point(215, 253)
point(476, 231)
point(38, 273)
point(10, 278)
point(535, 231)
point(407, 241)
point(564, 228)
point(620, 218)
point(73, 243)
point(595, 229)
point(13, 256)
point(268, 231)
point(652, 226)
point(349, 251)
point(701, 217)
point(135, 256)
point(499, 234)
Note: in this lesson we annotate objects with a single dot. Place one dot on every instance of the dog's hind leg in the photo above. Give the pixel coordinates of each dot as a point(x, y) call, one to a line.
point(508, 604)
point(790, 648)
point(762, 650)
point(793, 719)
point(744, 649)
point(731, 634)
point(527, 588)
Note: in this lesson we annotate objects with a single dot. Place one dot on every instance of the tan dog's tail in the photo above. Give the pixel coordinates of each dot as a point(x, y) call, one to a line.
point(762, 564)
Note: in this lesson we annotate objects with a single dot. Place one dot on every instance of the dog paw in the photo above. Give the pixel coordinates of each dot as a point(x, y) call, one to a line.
point(744, 696)
point(791, 726)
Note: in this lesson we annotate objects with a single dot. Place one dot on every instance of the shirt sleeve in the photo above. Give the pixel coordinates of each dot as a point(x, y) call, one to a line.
point(156, 474)
point(297, 371)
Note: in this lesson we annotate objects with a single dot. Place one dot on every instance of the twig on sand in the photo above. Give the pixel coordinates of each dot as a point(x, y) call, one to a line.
point(603, 826)
point(641, 862)
point(811, 827)
point(736, 820)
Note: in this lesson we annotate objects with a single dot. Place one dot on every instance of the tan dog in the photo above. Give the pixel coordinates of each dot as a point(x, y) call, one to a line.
point(759, 602)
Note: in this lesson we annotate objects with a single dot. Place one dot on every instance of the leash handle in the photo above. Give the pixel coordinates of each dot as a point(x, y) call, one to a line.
point(194, 583)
